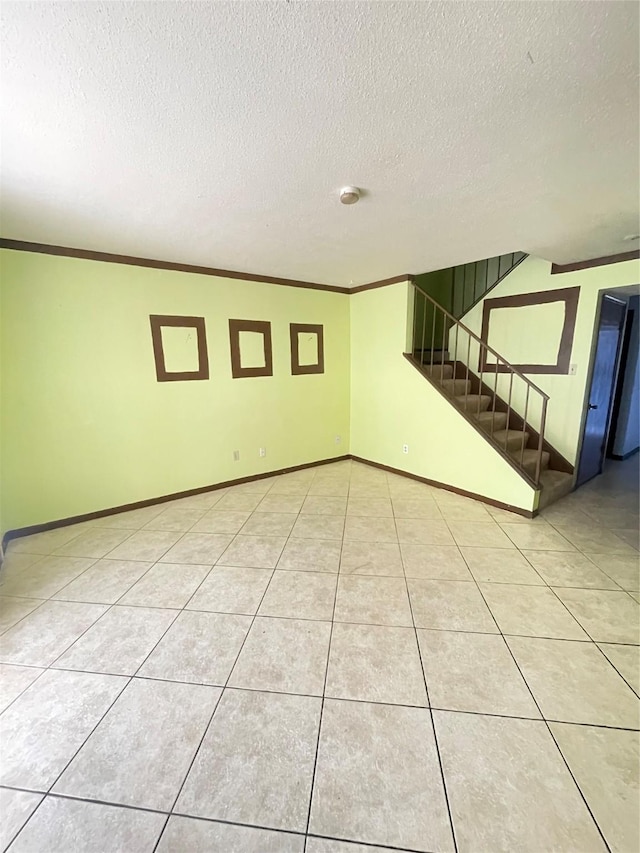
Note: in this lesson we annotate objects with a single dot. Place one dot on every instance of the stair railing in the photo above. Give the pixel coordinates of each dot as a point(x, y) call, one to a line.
point(433, 325)
point(470, 282)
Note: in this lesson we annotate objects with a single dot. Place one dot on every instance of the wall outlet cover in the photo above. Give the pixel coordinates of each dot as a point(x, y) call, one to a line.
point(405, 448)
point(338, 439)
point(263, 451)
point(236, 455)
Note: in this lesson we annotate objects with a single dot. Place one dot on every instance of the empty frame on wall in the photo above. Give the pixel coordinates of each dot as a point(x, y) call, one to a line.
point(307, 348)
point(179, 348)
point(251, 349)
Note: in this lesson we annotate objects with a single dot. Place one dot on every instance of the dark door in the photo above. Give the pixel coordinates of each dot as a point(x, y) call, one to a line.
point(603, 378)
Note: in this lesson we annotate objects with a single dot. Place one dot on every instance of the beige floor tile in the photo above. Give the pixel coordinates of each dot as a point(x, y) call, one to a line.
point(377, 777)
point(105, 582)
point(239, 501)
point(509, 788)
point(14, 560)
point(605, 765)
point(12, 610)
point(302, 595)
point(14, 680)
point(95, 542)
point(479, 534)
point(566, 514)
point(373, 600)
point(442, 562)
point(256, 552)
point(630, 535)
point(61, 824)
point(473, 672)
point(46, 542)
point(133, 519)
point(285, 655)
point(44, 578)
point(140, 752)
point(500, 565)
point(530, 611)
point(537, 537)
point(45, 726)
point(118, 642)
point(145, 545)
point(369, 529)
point(200, 548)
point(318, 527)
point(231, 589)
point(327, 845)
point(474, 511)
point(371, 558)
point(423, 531)
point(255, 764)
point(311, 555)
point(415, 508)
point(626, 660)
point(607, 616)
point(286, 488)
point(574, 683)
point(16, 807)
point(370, 507)
point(588, 538)
point(568, 568)
point(375, 664)
point(290, 504)
point(505, 516)
point(176, 519)
point(200, 648)
point(368, 489)
point(269, 524)
point(221, 521)
point(45, 634)
point(166, 585)
point(315, 505)
point(329, 489)
point(608, 517)
point(191, 834)
point(625, 571)
point(450, 605)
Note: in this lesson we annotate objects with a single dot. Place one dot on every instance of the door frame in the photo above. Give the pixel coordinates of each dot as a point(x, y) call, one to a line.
point(587, 394)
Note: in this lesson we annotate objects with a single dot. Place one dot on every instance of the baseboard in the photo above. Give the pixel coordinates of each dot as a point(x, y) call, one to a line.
point(628, 455)
point(499, 504)
point(103, 513)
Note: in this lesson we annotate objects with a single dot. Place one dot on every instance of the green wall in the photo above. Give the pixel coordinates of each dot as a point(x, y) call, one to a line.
point(86, 426)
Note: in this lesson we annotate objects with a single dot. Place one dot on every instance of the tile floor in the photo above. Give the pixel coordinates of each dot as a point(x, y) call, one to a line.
point(337, 660)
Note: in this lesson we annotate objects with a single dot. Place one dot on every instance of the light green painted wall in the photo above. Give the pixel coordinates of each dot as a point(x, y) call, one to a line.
point(567, 393)
point(86, 426)
point(392, 405)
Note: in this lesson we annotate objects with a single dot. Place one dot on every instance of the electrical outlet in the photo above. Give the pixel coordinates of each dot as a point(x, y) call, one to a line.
point(338, 439)
point(263, 451)
point(236, 455)
point(573, 369)
point(405, 448)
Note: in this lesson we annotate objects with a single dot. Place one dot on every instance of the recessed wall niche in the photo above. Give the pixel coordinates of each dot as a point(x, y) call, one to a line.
point(307, 348)
point(179, 347)
point(251, 349)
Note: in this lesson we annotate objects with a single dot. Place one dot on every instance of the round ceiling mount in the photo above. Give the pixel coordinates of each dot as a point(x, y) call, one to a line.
point(349, 195)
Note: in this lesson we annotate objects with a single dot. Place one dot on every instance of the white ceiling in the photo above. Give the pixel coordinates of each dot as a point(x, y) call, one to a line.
point(219, 133)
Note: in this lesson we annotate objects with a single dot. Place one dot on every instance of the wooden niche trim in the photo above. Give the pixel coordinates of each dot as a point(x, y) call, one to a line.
point(568, 295)
point(263, 327)
point(157, 321)
point(298, 369)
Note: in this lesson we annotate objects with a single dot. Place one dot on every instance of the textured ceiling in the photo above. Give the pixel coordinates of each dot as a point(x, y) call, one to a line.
point(219, 133)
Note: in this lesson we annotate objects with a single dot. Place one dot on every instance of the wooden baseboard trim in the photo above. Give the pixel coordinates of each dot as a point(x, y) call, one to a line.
point(103, 513)
point(498, 504)
point(628, 455)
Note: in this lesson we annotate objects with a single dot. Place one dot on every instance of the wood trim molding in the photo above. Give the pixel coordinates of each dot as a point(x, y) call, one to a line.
point(595, 262)
point(490, 501)
point(157, 321)
point(568, 295)
point(382, 283)
point(130, 260)
point(262, 327)
point(104, 513)
point(295, 329)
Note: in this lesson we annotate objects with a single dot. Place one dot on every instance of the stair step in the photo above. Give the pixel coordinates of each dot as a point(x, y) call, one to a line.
point(529, 460)
point(554, 485)
point(485, 419)
point(455, 387)
point(473, 403)
point(511, 439)
point(438, 371)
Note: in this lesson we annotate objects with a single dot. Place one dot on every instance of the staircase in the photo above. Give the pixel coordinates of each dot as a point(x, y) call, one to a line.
point(514, 423)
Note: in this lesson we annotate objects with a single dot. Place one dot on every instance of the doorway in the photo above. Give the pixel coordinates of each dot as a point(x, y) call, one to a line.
point(599, 400)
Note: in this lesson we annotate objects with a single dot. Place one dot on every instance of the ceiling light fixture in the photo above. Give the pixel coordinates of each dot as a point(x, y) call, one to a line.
point(349, 195)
